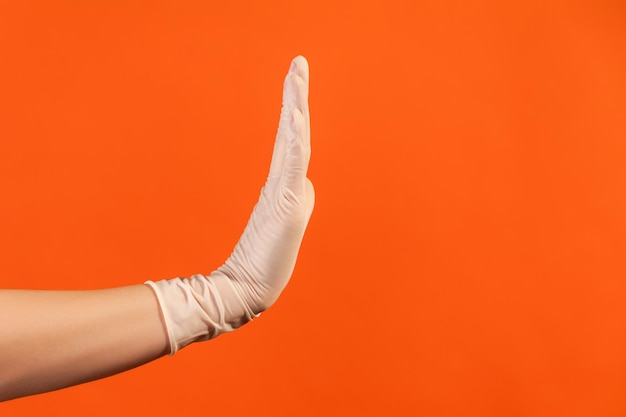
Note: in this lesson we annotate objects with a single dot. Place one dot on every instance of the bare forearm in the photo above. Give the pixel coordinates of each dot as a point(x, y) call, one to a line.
point(54, 339)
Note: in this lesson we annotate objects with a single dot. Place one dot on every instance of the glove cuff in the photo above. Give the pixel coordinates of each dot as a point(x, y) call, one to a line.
point(200, 308)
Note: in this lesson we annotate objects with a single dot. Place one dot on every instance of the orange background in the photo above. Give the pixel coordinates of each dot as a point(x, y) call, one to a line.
point(466, 253)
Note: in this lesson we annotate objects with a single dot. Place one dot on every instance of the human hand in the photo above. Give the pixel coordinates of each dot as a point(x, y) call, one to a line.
point(200, 308)
point(265, 256)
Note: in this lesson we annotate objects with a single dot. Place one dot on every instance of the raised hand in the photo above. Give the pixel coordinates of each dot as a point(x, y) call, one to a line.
point(265, 256)
point(259, 268)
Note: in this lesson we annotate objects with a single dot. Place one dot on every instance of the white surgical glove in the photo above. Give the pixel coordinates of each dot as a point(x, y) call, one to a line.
point(202, 307)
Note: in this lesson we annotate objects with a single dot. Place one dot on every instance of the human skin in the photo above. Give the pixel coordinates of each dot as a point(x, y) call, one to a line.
point(55, 339)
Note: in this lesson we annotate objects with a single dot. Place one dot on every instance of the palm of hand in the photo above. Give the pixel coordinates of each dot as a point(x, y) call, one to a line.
point(264, 258)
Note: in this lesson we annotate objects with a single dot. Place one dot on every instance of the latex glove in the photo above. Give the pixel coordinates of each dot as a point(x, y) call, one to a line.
point(250, 281)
